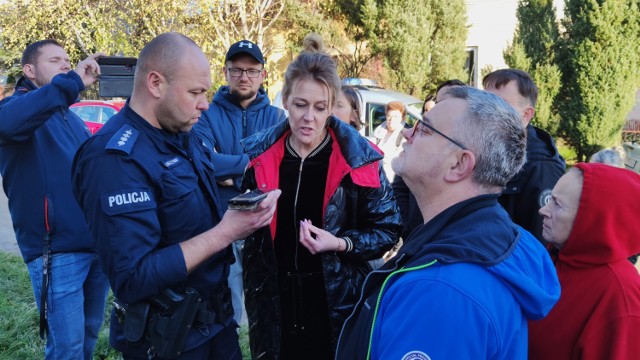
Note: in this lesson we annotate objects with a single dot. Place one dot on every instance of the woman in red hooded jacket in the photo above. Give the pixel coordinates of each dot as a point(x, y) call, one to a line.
point(592, 219)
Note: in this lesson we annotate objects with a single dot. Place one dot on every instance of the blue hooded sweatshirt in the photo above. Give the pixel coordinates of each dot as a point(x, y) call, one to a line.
point(38, 138)
point(463, 287)
point(222, 127)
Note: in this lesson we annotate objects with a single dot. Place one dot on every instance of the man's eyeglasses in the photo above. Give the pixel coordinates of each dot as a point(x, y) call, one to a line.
point(431, 128)
point(252, 73)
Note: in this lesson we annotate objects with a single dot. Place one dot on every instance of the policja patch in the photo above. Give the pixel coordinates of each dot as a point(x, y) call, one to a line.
point(127, 200)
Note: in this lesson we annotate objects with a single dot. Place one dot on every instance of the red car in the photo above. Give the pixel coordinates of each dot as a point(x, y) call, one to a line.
point(95, 113)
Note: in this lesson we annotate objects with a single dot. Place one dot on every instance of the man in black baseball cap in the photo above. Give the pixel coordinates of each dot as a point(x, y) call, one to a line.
point(245, 47)
point(238, 110)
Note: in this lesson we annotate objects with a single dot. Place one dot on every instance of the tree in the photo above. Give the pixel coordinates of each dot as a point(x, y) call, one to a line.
point(422, 42)
point(533, 50)
point(448, 43)
point(87, 26)
point(120, 27)
point(599, 59)
point(360, 19)
point(22, 23)
point(219, 23)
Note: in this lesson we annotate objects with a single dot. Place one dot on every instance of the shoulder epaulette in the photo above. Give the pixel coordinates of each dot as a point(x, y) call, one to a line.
point(123, 139)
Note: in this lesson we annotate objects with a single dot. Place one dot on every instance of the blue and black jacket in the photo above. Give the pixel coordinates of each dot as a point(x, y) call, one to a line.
point(462, 287)
point(38, 138)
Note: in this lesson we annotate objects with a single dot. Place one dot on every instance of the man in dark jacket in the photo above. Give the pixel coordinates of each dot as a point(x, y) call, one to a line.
point(238, 110)
point(38, 139)
point(468, 279)
point(530, 189)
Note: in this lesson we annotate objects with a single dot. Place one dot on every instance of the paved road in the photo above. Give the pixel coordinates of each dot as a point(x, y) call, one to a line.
point(7, 236)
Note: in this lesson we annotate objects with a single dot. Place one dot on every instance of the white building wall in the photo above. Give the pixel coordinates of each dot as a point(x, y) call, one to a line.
point(491, 27)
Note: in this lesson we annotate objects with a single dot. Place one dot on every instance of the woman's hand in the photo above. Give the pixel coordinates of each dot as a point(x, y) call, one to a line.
point(317, 240)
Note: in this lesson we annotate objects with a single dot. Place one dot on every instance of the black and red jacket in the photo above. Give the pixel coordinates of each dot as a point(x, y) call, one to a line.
point(358, 204)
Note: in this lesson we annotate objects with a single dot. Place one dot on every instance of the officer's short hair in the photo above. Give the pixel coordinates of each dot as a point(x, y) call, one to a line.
point(162, 54)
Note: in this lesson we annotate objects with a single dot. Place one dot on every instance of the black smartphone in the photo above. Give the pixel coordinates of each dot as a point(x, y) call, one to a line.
point(247, 201)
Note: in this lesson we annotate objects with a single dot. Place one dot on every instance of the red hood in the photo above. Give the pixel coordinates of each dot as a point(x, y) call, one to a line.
point(606, 228)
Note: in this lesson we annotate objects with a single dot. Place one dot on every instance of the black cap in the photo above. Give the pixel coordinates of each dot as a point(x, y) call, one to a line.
point(245, 47)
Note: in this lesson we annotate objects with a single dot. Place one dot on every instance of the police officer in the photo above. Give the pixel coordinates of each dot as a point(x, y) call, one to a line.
point(147, 188)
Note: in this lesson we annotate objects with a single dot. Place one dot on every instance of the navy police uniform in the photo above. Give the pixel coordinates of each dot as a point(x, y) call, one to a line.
point(143, 191)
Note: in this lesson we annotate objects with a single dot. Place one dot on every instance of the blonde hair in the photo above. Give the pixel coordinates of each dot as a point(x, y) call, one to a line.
point(312, 63)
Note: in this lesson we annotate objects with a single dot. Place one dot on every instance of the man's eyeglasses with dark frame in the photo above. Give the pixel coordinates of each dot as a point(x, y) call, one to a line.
point(425, 124)
point(251, 73)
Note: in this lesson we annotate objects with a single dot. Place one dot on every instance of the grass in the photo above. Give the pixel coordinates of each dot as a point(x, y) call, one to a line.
point(18, 312)
point(19, 316)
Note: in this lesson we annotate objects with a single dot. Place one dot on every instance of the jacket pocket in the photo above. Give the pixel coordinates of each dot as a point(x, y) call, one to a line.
point(178, 181)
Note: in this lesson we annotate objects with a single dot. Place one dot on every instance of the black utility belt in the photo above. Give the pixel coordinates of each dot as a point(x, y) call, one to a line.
point(165, 320)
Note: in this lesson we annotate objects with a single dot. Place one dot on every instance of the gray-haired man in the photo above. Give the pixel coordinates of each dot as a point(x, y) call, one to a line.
point(468, 280)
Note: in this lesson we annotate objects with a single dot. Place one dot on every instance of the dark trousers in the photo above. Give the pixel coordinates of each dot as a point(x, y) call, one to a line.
point(223, 346)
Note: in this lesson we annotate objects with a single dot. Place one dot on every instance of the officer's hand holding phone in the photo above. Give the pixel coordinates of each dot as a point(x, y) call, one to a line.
point(248, 201)
point(250, 213)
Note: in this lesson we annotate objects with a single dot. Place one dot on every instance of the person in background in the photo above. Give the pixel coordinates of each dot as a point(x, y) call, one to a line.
point(613, 156)
point(347, 106)
point(592, 219)
point(443, 88)
point(303, 274)
point(38, 139)
point(429, 103)
point(530, 189)
point(388, 135)
point(147, 186)
point(465, 283)
point(239, 109)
